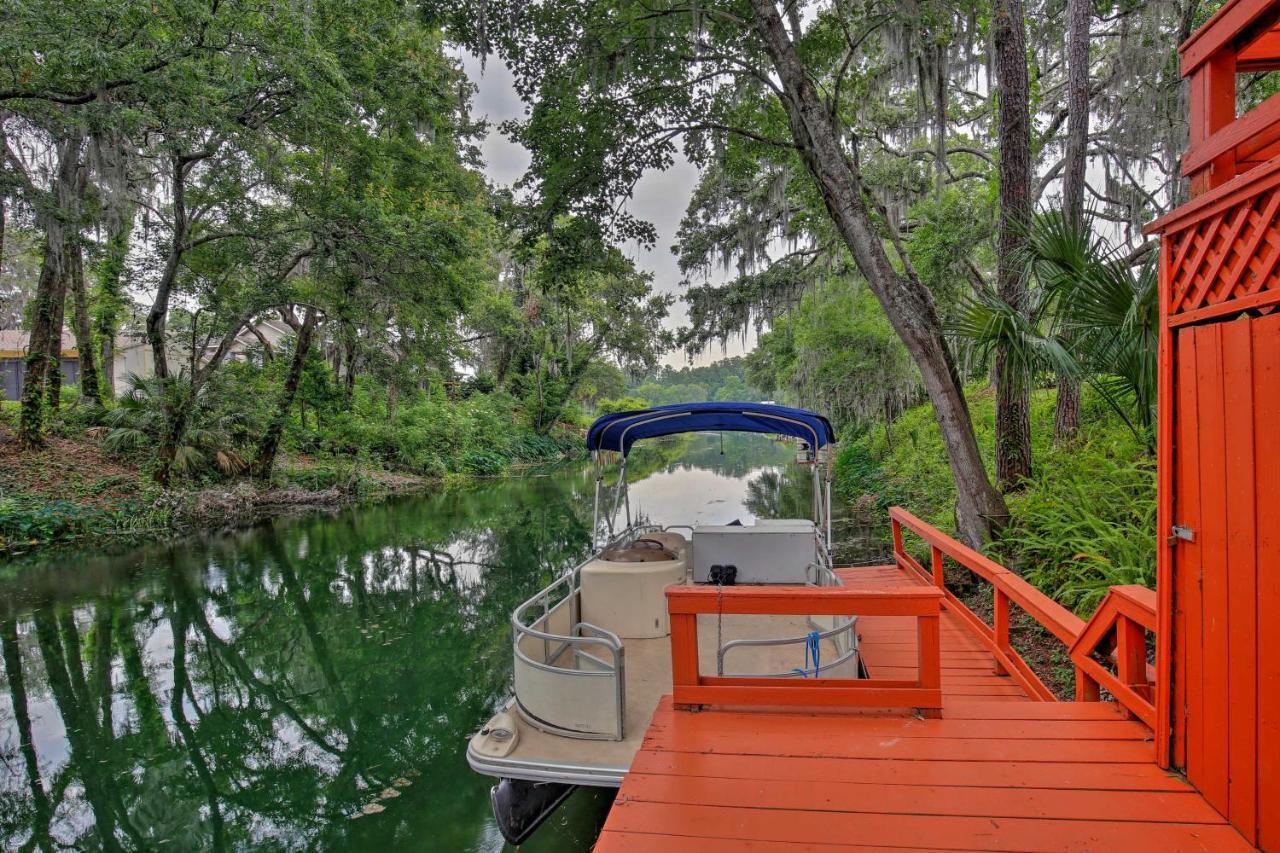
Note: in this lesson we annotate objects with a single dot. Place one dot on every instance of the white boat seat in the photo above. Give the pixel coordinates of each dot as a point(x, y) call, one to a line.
point(629, 598)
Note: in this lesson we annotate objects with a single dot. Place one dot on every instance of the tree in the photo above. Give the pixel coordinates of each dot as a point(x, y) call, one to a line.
point(615, 86)
point(1013, 402)
point(60, 220)
point(1079, 13)
point(581, 300)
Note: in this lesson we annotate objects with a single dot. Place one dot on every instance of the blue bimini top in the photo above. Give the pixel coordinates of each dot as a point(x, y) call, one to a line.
point(620, 430)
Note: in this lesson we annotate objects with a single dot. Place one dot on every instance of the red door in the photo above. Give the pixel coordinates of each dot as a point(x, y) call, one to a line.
point(1226, 569)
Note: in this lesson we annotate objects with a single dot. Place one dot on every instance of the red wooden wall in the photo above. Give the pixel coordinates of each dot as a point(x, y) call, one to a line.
point(1226, 582)
point(1219, 440)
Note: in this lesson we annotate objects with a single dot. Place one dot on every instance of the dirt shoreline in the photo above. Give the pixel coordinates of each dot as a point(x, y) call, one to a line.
point(70, 493)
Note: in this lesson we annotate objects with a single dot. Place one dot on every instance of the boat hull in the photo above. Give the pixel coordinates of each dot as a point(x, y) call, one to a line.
point(521, 806)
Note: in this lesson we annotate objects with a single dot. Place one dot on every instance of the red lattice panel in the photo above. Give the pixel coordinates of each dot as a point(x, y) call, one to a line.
point(1230, 255)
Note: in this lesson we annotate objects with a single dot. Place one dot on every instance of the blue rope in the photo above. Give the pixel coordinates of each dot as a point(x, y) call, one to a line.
point(812, 652)
point(813, 649)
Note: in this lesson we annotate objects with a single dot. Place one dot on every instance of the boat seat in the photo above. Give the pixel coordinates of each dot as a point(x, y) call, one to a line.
point(626, 593)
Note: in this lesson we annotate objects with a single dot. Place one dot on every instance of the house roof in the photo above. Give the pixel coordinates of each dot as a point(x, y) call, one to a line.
point(13, 343)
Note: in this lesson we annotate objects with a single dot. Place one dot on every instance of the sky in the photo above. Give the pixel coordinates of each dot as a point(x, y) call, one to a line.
point(660, 197)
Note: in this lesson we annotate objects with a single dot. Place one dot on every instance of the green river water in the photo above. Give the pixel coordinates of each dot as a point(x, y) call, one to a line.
point(310, 683)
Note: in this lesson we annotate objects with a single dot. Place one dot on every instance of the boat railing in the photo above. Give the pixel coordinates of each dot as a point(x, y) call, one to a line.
point(1113, 639)
point(840, 630)
point(570, 675)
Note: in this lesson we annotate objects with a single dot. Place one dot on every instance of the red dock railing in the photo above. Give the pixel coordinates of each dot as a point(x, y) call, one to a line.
point(1126, 614)
point(691, 687)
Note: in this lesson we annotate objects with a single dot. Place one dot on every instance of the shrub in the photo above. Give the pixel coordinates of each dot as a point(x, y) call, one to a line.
point(621, 404)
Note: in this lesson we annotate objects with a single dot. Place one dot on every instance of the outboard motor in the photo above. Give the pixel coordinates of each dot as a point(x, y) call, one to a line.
point(521, 806)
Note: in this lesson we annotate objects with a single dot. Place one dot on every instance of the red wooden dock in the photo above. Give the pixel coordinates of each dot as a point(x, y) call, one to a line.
point(996, 771)
point(953, 742)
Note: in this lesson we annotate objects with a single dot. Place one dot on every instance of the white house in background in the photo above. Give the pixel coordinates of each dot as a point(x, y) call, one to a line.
point(132, 355)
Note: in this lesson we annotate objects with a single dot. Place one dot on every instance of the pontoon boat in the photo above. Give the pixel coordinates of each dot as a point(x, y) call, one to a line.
point(592, 650)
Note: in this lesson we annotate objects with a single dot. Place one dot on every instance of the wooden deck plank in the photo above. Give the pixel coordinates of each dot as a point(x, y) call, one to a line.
point(821, 727)
point(1138, 776)
point(996, 771)
point(931, 831)
point(648, 842)
point(864, 798)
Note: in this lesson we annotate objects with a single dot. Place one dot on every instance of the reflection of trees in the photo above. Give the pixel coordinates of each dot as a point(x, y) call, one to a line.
point(26, 743)
point(785, 492)
point(270, 683)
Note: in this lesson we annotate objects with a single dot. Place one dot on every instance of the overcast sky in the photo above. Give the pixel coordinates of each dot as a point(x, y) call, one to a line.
point(660, 197)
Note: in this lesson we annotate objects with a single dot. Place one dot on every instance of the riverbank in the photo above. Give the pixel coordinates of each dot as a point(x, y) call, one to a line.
point(72, 490)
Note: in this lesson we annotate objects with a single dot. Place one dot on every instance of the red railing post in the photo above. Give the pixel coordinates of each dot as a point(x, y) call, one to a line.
point(935, 557)
point(929, 639)
point(1131, 653)
point(1086, 687)
point(684, 656)
point(897, 539)
point(1000, 622)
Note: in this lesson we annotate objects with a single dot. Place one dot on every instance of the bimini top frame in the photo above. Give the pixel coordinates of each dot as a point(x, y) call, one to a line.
point(619, 431)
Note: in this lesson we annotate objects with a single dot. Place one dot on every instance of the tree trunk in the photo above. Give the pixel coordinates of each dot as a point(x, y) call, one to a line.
point(46, 330)
point(270, 442)
point(940, 119)
point(167, 450)
point(110, 301)
point(350, 378)
point(1013, 421)
point(980, 509)
point(58, 305)
point(111, 160)
point(1066, 418)
point(159, 313)
point(90, 389)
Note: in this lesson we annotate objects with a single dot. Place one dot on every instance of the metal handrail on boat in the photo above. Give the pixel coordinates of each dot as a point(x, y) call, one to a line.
point(580, 636)
point(823, 577)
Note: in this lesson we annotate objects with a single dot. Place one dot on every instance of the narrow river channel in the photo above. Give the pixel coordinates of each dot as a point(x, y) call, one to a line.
point(311, 682)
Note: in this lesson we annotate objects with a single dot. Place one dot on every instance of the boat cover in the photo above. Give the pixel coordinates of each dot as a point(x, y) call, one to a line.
point(620, 430)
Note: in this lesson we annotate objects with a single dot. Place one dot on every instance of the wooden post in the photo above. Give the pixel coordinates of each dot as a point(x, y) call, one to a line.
point(1213, 107)
point(1086, 687)
point(935, 554)
point(1131, 652)
point(897, 539)
point(684, 656)
point(1001, 630)
point(929, 639)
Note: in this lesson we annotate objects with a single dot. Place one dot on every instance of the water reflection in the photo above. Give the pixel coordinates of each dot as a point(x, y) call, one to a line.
point(306, 683)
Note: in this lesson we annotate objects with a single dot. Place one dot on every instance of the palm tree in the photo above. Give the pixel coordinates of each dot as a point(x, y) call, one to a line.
point(139, 421)
point(1094, 316)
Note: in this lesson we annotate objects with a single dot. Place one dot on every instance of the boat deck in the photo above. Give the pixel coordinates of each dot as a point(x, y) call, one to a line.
point(996, 771)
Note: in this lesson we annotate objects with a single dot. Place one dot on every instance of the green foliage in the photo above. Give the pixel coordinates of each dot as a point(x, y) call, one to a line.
point(27, 521)
point(724, 380)
point(30, 521)
point(1085, 520)
point(431, 437)
point(140, 421)
point(623, 404)
point(1093, 317)
point(837, 353)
